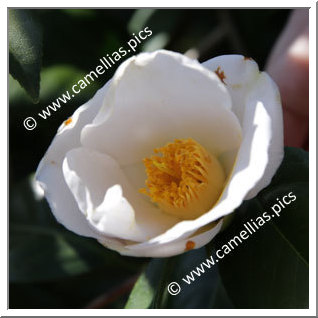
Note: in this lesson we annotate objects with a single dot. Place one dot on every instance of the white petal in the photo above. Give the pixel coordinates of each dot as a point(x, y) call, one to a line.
point(169, 249)
point(158, 97)
point(248, 88)
point(49, 172)
point(240, 74)
point(112, 206)
point(270, 135)
point(260, 155)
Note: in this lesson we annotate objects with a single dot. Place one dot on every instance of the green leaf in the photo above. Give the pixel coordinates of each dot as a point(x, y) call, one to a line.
point(142, 294)
point(292, 176)
point(270, 268)
point(206, 291)
point(55, 80)
point(16, 92)
point(25, 51)
point(162, 34)
point(139, 19)
point(150, 291)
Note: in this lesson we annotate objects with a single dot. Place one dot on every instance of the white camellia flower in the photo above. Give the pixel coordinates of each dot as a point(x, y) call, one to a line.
point(154, 161)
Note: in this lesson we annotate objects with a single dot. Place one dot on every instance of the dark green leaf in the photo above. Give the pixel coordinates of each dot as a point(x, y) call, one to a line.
point(292, 176)
point(25, 50)
point(149, 287)
point(206, 291)
point(270, 268)
point(139, 19)
point(142, 294)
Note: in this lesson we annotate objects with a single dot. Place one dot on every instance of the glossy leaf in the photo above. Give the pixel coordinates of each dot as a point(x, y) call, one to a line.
point(149, 288)
point(206, 291)
point(142, 294)
point(25, 51)
point(270, 268)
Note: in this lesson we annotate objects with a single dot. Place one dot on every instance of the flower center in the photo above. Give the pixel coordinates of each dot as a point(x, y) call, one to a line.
point(184, 179)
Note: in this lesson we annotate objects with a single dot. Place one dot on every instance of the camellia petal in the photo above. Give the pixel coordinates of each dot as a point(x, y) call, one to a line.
point(104, 195)
point(265, 92)
point(247, 87)
point(49, 173)
point(156, 98)
point(238, 74)
point(176, 247)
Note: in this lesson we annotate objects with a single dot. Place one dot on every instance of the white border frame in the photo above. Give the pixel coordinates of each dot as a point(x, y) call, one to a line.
point(312, 160)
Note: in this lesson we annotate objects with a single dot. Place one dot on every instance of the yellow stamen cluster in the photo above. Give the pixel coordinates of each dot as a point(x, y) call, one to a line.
point(185, 180)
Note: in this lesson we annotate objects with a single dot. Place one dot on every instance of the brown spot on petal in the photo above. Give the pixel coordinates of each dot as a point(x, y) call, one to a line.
point(247, 58)
point(220, 74)
point(68, 121)
point(190, 245)
point(53, 162)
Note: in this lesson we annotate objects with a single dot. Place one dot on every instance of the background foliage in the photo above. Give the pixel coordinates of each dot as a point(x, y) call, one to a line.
point(51, 267)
